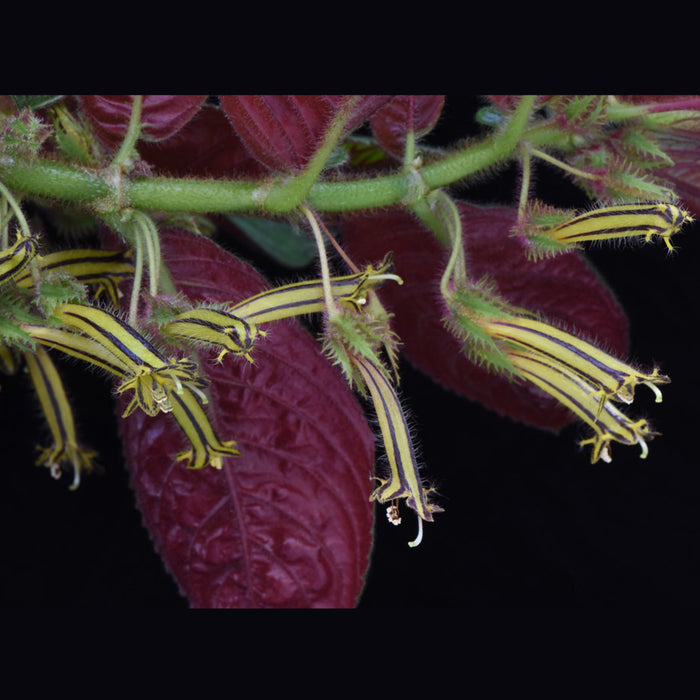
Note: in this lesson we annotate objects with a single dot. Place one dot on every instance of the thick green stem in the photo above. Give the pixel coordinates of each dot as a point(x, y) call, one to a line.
point(285, 195)
point(194, 196)
point(497, 148)
point(45, 178)
point(63, 182)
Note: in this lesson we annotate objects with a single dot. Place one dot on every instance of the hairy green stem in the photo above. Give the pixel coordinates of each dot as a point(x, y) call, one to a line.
point(563, 166)
point(132, 133)
point(46, 178)
point(331, 307)
point(456, 269)
point(497, 148)
point(136, 286)
point(287, 194)
point(525, 182)
point(94, 188)
point(9, 199)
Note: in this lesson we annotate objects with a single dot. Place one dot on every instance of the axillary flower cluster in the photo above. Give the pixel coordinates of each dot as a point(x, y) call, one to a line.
point(97, 335)
point(589, 382)
point(144, 363)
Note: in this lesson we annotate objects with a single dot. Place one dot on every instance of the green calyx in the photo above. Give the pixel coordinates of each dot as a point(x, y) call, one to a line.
point(467, 306)
point(349, 333)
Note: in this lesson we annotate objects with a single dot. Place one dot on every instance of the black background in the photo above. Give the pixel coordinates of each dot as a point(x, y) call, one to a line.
point(528, 521)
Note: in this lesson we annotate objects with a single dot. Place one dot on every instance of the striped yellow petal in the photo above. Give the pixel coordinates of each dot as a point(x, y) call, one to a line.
point(205, 446)
point(14, 260)
point(114, 334)
point(623, 221)
point(608, 423)
point(151, 376)
point(217, 328)
point(307, 297)
point(78, 346)
point(404, 480)
point(9, 360)
point(59, 417)
point(103, 269)
point(612, 377)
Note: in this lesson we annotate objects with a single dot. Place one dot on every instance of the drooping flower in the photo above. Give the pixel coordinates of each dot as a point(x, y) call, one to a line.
point(307, 297)
point(172, 388)
point(575, 372)
point(103, 269)
point(622, 221)
point(205, 445)
point(59, 417)
point(404, 480)
point(611, 377)
point(216, 328)
point(152, 377)
point(584, 399)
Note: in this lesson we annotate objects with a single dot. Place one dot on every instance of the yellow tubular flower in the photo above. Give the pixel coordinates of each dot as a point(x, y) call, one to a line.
point(103, 269)
point(9, 360)
point(206, 447)
point(59, 417)
point(149, 395)
point(78, 346)
point(213, 327)
point(153, 378)
point(655, 219)
point(613, 378)
point(404, 480)
point(308, 297)
point(115, 335)
point(14, 260)
point(584, 400)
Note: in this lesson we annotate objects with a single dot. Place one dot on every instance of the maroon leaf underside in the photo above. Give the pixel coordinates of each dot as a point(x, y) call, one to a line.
point(284, 131)
point(288, 523)
point(161, 115)
point(206, 146)
point(417, 113)
point(684, 175)
point(565, 289)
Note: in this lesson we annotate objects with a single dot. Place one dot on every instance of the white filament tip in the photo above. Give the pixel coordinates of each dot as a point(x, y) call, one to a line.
point(419, 537)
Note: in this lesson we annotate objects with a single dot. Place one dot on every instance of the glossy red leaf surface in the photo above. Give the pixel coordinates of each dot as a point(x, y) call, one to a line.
point(417, 113)
point(564, 289)
point(288, 523)
point(161, 115)
point(284, 131)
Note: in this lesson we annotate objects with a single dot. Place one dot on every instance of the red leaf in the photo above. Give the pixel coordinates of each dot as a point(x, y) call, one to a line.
point(686, 183)
point(161, 115)
point(684, 148)
point(564, 289)
point(206, 146)
point(417, 113)
point(284, 131)
point(288, 523)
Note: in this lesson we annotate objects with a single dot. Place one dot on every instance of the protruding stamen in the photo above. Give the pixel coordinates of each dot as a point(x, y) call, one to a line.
point(645, 448)
point(419, 537)
point(657, 392)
